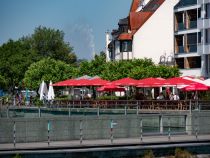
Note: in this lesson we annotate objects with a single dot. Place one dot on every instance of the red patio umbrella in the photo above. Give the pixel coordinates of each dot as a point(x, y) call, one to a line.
point(151, 82)
point(82, 82)
point(177, 81)
point(111, 88)
point(68, 82)
point(125, 82)
point(196, 87)
point(98, 82)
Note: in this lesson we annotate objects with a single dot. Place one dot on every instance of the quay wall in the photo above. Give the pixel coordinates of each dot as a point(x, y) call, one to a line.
point(100, 127)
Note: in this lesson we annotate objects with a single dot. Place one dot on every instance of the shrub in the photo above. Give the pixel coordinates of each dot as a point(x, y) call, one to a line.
point(148, 154)
point(179, 153)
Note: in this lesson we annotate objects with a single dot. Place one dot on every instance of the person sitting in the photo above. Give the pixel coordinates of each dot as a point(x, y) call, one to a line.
point(176, 96)
point(171, 96)
point(161, 96)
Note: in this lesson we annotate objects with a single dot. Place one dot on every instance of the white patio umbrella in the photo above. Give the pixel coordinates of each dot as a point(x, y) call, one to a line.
point(43, 90)
point(51, 94)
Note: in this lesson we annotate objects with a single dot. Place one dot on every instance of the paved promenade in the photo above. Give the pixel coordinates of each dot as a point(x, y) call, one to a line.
point(75, 144)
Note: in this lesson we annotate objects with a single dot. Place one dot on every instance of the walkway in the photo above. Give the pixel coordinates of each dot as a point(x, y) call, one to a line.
point(75, 144)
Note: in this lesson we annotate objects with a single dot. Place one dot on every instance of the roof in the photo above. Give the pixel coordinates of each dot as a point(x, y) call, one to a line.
point(125, 36)
point(137, 19)
point(135, 5)
point(123, 21)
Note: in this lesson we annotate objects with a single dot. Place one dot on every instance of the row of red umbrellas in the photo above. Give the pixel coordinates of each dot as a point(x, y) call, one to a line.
point(188, 85)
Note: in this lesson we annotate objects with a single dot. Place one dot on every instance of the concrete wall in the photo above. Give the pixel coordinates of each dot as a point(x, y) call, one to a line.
point(94, 127)
point(156, 36)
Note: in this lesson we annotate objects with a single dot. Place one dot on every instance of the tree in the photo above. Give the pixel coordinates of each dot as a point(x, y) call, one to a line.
point(3, 82)
point(17, 56)
point(47, 69)
point(137, 68)
point(93, 67)
point(50, 43)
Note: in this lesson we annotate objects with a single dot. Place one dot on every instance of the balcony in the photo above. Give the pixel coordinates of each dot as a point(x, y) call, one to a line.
point(185, 3)
point(193, 24)
point(192, 48)
point(181, 26)
point(180, 50)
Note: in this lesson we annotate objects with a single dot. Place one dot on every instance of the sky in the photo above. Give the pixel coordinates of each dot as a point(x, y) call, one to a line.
point(84, 22)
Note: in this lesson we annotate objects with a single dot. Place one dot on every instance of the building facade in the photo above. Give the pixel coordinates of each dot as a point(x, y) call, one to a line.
point(192, 37)
point(147, 32)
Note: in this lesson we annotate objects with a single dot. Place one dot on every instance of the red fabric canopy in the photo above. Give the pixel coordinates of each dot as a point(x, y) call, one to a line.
point(98, 82)
point(125, 82)
point(110, 88)
point(178, 81)
point(64, 83)
point(196, 87)
point(82, 82)
point(151, 82)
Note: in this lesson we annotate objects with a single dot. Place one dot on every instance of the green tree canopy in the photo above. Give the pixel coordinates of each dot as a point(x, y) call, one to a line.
point(47, 69)
point(50, 43)
point(17, 56)
point(137, 69)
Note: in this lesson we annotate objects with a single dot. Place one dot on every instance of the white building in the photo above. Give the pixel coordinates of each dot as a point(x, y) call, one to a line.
point(192, 37)
point(147, 32)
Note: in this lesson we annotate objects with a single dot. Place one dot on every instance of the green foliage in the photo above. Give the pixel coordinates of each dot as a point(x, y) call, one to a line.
point(3, 82)
point(137, 69)
point(17, 156)
point(49, 42)
point(148, 154)
point(17, 56)
point(179, 153)
point(47, 69)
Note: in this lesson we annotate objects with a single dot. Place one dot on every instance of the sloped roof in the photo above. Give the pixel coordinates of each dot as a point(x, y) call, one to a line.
point(135, 5)
point(125, 36)
point(137, 19)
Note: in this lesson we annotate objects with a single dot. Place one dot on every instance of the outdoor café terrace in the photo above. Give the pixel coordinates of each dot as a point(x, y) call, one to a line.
point(137, 94)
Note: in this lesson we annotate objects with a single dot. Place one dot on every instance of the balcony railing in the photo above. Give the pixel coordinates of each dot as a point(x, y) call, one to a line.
point(192, 48)
point(181, 49)
point(181, 26)
point(193, 24)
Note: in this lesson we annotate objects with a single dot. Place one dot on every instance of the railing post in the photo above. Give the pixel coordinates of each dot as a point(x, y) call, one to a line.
point(39, 111)
point(48, 133)
point(169, 129)
point(141, 130)
point(196, 127)
point(161, 124)
point(137, 110)
point(69, 111)
point(125, 110)
point(14, 134)
point(111, 132)
point(98, 111)
point(81, 134)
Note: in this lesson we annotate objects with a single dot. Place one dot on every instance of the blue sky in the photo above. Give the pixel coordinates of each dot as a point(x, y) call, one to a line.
point(84, 22)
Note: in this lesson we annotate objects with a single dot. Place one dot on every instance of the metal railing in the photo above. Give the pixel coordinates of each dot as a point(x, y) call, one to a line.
point(102, 107)
point(93, 128)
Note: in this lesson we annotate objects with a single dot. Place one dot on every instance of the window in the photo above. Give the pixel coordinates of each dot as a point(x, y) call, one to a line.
point(194, 62)
point(207, 33)
point(125, 46)
point(207, 8)
point(180, 62)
